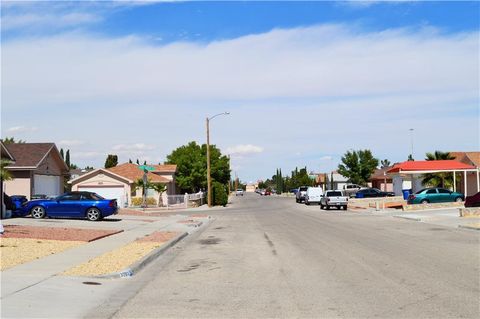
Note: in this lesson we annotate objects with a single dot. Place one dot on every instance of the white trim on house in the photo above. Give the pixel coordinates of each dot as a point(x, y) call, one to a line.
point(98, 170)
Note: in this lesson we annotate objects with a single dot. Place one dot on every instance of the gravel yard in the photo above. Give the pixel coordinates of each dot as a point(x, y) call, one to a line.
point(21, 244)
point(15, 251)
point(121, 258)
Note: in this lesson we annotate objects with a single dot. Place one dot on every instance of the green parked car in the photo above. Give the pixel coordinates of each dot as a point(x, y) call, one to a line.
point(435, 195)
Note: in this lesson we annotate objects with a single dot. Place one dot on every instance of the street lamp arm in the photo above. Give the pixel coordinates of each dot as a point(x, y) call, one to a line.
point(224, 113)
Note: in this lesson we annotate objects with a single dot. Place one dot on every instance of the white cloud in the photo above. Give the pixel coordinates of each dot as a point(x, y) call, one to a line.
point(323, 89)
point(21, 129)
point(322, 61)
point(87, 155)
point(325, 158)
point(136, 147)
point(32, 21)
point(243, 149)
point(69, 143)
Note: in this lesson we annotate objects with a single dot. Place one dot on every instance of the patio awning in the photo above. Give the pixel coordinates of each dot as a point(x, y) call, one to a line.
point(423, 167)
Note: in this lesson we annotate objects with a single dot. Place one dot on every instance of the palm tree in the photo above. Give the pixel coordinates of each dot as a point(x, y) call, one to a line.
point(438, 179)
point(385, 163)
point(158, 187)
point(4, 176)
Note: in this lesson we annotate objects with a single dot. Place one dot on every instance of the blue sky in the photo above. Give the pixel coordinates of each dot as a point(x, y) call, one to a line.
point(138, 79)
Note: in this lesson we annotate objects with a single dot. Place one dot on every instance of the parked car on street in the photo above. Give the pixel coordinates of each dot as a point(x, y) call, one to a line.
point(300, 195)
point(334, 198)
point(267, 192)
point(473, 201)
point(313, 195)
point(434, 195)
point(239, 192)
point(294, 191)
point(18, 200)
point(351, 189)
point(72, 204)
point(372, 192)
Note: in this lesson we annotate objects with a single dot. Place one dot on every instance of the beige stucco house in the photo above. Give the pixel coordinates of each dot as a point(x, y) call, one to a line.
point(119, 182)
point(37, 168)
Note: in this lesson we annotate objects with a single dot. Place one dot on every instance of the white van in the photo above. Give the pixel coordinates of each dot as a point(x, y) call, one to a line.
point(313, 195)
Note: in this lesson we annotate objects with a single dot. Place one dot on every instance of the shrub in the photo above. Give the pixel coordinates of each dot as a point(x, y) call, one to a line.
point(137, 201)
point(219, 194)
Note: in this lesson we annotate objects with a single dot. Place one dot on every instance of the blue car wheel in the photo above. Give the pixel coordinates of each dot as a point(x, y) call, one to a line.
point(38, 212)
point(93, 214)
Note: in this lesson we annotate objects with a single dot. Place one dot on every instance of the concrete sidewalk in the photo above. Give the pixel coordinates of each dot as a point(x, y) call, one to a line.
point(443, 217)
point(41, 279)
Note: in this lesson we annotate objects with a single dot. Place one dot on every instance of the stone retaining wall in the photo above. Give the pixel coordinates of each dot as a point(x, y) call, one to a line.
point(416, 207)
point(469, 212)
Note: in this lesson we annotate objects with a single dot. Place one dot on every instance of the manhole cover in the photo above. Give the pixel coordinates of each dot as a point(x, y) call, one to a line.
point(93, 283)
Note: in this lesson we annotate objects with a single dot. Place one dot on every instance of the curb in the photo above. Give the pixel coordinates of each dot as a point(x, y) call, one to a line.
point(409, 218)
point(469, 227)
point(139, 265)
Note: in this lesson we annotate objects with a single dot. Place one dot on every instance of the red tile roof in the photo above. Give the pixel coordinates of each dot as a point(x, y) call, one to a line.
point(165, 168)
point(132, 172)
point(443, 165)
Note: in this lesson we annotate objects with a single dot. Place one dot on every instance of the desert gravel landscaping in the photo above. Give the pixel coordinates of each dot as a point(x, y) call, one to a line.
point(16, 251)
point(21, 244)
point(121, 258)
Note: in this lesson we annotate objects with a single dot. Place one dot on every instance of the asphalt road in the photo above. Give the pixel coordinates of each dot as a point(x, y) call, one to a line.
point(271, 257)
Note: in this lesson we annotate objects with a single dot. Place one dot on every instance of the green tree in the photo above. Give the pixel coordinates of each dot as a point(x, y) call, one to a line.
point(438, 179)
point(111, 161)
point(219, 194)
point(11, 140)
point(4, 173)
point(410, 158)
point(61, 154)
point(130, 161)
point(358, 166)
point(191, 161)
point(138, 162)
point(67, 158)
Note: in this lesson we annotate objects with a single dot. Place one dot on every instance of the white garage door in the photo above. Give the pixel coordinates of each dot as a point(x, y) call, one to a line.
point(108, 192)
point(46, 184)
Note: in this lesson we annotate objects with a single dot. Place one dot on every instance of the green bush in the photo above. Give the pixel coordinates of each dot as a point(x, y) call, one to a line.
point(219, 194)
point(137, 201)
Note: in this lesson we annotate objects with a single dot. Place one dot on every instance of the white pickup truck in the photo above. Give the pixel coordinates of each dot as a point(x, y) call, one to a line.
point(334, 198)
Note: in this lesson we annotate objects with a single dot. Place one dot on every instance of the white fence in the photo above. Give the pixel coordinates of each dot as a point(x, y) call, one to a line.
point(184, 201)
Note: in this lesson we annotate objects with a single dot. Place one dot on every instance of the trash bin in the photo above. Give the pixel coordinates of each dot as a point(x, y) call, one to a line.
point(406, 193)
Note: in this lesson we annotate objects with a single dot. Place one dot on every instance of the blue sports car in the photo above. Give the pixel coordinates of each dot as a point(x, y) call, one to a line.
point(72, 204)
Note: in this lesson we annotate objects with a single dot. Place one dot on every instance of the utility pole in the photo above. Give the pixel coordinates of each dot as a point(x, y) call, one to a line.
point(411, 142)
point(209, 177)
point(229, 179)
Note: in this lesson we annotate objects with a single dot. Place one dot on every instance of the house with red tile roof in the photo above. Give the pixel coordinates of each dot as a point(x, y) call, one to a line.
point(36, 168)
point(119, 182)
point(409, 174)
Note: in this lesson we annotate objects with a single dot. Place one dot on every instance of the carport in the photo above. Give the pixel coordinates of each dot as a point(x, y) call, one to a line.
point(416, 168)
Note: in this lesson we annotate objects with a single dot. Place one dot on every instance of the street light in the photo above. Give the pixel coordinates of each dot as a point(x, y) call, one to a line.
point(411, 141)
point(209, 179)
